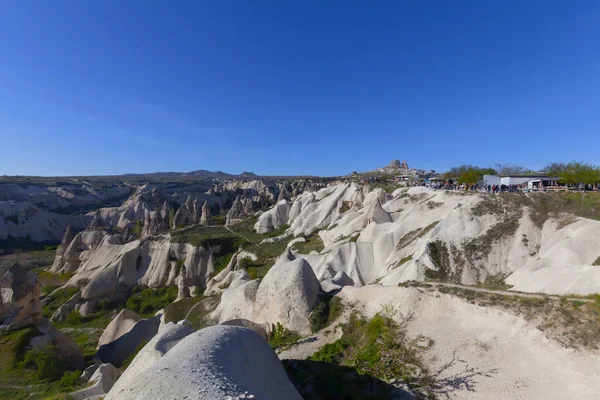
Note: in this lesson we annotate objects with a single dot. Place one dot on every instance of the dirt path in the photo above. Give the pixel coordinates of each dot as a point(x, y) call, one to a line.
point(508, 292)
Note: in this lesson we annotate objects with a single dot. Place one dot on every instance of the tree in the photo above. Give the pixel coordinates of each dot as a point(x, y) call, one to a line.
point(554, 169)
point(510, 169)
point(468, 173)
point(575, 173)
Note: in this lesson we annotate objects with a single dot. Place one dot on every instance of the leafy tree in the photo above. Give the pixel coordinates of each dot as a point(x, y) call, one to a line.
point(575, 173)
point(468, 173)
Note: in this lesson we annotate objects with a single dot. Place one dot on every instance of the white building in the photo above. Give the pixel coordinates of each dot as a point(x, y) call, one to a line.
point(532, 181)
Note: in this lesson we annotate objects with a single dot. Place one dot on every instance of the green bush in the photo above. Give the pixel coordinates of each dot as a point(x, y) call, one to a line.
point(147, 301)
point(332, 352)
point(283, 337)
point(74, 318)
point(69, 380)
point(327, 311)
point(46, 362)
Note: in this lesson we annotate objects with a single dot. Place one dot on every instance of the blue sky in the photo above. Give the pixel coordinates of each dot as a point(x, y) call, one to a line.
point(295, 87)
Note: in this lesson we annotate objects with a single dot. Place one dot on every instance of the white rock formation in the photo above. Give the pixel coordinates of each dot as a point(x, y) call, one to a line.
point(287, 294)
point(237, 301)
point(149, 355)
point(19, 298)
point(118, 326)
point(219, 362)
point(116, 351)
point(275, 218)
point(402, 226)
point(101, 381)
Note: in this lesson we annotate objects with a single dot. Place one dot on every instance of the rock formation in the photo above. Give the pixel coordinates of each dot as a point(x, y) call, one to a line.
point(125, 343)
point(119, 326)
point(19, 298)
point(236, 213)
point(205, 217)
point(101, 381)
point(64, 348)
point(287, 294)
point(187, 214)
point(219, 362)
point(97, 222)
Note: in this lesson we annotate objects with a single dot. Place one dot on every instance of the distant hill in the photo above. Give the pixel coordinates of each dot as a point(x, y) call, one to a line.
point(201, 173)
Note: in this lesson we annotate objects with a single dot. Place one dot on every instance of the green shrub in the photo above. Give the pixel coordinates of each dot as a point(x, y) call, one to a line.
point(327, 311)
point(283, 337)
point(74, 318)
point(46, 362)
point(69, 380)
point(147, 301)
point(332, 352)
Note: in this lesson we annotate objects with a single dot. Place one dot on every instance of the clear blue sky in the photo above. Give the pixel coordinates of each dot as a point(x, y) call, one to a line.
point(295, 87)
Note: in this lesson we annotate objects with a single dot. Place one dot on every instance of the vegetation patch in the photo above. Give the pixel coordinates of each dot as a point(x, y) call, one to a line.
point(434, 204)
point(477, 249)
point(404, 260)
point(544, 206)
point(597, 262)
point(381, 348)
point(495, 282)
point(439, 255)
point(311, 243)
point(146, 301)
point(57, 299)
point(325, 313)
point(20, 377)
point(283, 338)
point(344, 207)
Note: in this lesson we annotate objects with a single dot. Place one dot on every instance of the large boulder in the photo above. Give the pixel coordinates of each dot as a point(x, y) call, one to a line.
point(119, 326)
point(287, 294)
point(117, 351)
point(101, 381)
point(168, 336)
point(340, 279)
point(237, 301)
point(63, 347)
point(19, 298)
point(219, 362)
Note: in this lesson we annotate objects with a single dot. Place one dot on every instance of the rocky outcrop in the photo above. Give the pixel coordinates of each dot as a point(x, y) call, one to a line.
point(237, 301)
point(116, 351)
point(108, 266)
point(62, 346)
point(19, 298)
point(101, 381)
point(119, 326)
point(72, 253)
point(97, 222)
point(274, 218)
point(287, 294)
point(155, 223)
point(337, 282)
point(25, 221)
point(236, 213)
point(187, 214)
point(219, 362)
point(205, 217)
